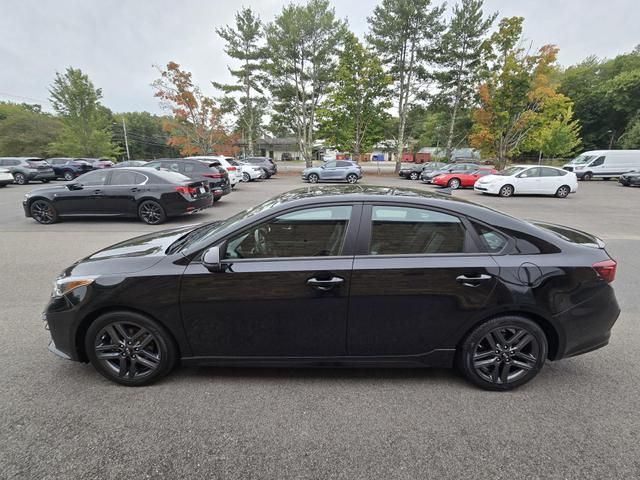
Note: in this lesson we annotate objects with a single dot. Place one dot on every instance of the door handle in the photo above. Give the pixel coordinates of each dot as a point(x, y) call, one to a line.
point(97, 192)
point(134, 189)
point(325, 285)
point(473, 281)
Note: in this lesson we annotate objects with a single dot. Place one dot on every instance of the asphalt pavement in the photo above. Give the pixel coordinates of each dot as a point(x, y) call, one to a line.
point(61, 420)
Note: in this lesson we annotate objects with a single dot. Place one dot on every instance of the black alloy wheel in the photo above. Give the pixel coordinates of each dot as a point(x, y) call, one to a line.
point(43, 212)
point(413, 176)
point(563, 191)
point(313, 178)
point(68, 176)
point(503, 353)
point(506, 191)
point(129, 348)
point(151, 212)
point(20, 178)
point(454, 183)
point(352, 178)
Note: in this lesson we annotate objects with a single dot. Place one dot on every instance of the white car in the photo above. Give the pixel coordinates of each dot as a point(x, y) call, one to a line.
point(5, 177)
point(235, 175)
point(529, 179)
point(249, 172)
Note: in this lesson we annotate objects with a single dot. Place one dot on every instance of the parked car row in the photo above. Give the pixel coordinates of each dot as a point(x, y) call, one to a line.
point(149, 190)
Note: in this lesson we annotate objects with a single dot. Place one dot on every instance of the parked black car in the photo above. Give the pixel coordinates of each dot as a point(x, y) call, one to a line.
point(630, 179)
point(348, 275)
point(69, 168)
point(26, 169)
point(268, 165)
point(150, 195)
point(131, 163)
point(213, 172)
point(428, 175)
point(413, 172)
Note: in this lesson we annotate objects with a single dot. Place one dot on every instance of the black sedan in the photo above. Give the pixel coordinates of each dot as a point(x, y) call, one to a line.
point(341, 276)
point(413, 172)
point(630, 179)
point(150, 195)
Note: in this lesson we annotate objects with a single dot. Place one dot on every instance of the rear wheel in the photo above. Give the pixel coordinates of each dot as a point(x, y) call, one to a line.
point(506, 191)
point(503, 353)
point(352, 178)
point(587, 176)
point(454, 183)
point(313, 178)
point(42, 211)
point(20, 178)
point(68, 176)
point(129, 348)
point(563, 191)
point(151, 212)
point(246, 177)
point(413, 176)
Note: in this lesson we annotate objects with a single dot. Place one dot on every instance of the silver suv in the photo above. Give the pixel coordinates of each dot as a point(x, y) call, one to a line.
point(334, 171)
point(25, 169)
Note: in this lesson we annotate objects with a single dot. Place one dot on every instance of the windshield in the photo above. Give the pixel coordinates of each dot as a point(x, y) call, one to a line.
point(582, 159)
point(511, 171)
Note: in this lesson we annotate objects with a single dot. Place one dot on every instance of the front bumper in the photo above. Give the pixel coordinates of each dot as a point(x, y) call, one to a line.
point(484, 188)
point(629, 181)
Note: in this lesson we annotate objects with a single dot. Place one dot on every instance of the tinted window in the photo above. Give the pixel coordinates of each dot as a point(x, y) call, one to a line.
point(120, 177)
point(551, 172)
point(94, 178)
point(344, 164)
point(189, 167)
point(330, 164)
point(13, 162)
point(173, 166)
point(491, 240)
point(405, 230)
point(314, 232)
point(598, 161)
point(164, 176)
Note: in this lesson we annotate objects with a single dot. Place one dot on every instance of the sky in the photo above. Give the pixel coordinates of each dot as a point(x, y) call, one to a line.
point(117, 42)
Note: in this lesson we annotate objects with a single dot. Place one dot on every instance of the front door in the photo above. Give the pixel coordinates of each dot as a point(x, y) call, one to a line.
point(416, 280)
point(330, 171)
point(284, 293)
point(529, 181)
point(86, 198)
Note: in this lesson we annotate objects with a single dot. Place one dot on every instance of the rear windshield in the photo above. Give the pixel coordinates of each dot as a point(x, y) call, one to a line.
point(36, 162)
point(571, 235)
point(171, 177)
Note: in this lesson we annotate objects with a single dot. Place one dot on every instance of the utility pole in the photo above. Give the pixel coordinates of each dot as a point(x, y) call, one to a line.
point(126, 141)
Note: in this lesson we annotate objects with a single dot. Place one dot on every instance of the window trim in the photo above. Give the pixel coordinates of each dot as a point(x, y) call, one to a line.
point(364, 233)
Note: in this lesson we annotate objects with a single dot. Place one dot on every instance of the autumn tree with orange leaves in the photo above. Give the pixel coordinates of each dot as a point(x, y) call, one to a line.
point(518, 104)
point(197, 126)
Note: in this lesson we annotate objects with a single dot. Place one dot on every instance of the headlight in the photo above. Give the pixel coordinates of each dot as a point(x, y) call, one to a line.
point(64, 285)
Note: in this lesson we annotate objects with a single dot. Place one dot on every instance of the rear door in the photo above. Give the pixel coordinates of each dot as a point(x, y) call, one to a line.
point(120, 195)
point(285, 293)
point(418, 276)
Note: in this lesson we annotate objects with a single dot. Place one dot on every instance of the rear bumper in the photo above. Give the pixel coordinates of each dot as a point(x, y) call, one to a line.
point(188, 207)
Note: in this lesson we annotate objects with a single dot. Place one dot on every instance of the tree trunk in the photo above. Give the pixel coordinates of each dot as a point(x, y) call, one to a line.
point(452, 125)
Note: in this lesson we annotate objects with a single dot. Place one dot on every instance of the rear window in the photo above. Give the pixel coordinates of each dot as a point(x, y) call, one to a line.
point(571, 235)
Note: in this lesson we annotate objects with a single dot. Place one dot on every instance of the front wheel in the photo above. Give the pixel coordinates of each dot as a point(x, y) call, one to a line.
point(42, 211)
point(503, 353)
point(313, 178)
point(151, 212)
point(246, 177)
point(563, 191)
point(506, 191)
point(20, 178)
point(129, 348)
point(68, 176)
point(454, 184)
point(413, 176)
point(587, 176)
point(352, 178)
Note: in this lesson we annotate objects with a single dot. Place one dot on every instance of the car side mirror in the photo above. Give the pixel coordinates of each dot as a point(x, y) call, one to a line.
point(74, 186)
point(211, 260)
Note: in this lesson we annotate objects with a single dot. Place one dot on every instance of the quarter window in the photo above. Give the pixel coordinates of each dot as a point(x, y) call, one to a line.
point(405, 230)
point(491, 240)
point(314, 232)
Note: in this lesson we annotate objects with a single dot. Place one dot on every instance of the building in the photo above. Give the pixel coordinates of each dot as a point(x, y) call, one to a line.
point(283, 148)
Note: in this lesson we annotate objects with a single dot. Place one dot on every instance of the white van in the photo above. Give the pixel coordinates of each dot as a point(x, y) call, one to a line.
point(604, 163)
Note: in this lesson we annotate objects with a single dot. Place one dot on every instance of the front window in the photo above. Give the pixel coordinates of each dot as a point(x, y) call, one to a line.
point(582, 159)
point(314, 232)
point(96, 178)
point(508, 172)
point(405, 230)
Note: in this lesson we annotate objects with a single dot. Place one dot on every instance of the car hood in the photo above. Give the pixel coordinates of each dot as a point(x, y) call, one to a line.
point(130, 256)
point(490, 178)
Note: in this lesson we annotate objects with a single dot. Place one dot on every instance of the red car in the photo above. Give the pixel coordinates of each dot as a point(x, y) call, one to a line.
point(461, 179)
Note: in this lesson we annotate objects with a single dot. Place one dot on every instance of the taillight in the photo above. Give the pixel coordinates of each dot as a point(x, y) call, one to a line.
point(186, 190)
point(213, 175)
point(231, 169)
point(606, 270)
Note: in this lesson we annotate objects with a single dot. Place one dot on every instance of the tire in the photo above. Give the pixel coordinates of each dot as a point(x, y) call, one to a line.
point(42, 211)
point(413, 176)
point(454, 183)
point(20, 178)
point(506, 191)
point(313, 178)
point(68, 176)
point(266, 175)
point(246, 177)
point(587, 176)
point(216, 199)
point(352, 178)
point(563, 191)
point(151, 212)
point(522, 350)
point(142, 350)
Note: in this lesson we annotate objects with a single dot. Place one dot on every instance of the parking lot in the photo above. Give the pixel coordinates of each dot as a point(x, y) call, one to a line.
point(579, 418)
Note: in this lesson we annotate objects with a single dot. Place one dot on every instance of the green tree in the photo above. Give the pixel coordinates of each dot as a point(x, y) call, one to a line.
point(26, 131)
point(145, 134)
point(405, 34)
point(631, 137)
point(86, 124)
point(464, 45)
point(303, 44)
point(245, 97)
point(352, 116)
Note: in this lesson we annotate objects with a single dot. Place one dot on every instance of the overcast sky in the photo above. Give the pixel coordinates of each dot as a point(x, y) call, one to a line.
point(117, 42)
